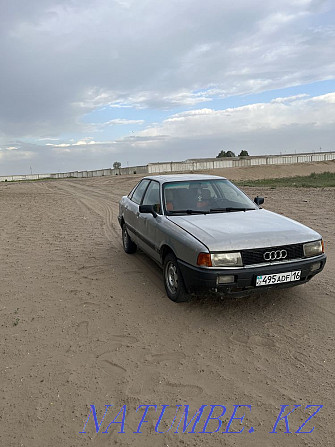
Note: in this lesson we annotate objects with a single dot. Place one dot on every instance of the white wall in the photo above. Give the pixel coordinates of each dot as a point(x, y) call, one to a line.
point(197, 165)
point(189, 165)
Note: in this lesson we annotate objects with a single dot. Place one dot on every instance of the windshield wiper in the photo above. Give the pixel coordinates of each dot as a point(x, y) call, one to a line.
point(229, 209)
point(188, 212)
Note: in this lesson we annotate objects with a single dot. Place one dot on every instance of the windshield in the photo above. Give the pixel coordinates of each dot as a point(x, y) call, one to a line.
point(204, 196)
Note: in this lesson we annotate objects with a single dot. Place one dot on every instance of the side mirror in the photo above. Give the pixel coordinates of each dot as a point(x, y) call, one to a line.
point(147, 209)
point(259, 200)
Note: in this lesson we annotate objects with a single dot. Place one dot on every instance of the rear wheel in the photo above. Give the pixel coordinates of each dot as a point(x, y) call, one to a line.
point(173, 280)
point(128, 245)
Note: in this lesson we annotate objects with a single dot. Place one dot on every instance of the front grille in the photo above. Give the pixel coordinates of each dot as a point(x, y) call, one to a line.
point(255, 256)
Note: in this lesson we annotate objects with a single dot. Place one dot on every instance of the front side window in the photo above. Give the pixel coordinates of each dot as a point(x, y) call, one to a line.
point(152, 197)
point(137, 195)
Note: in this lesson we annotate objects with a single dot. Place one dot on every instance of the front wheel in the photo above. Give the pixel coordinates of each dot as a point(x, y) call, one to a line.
point(173, 280)
point(128, 245)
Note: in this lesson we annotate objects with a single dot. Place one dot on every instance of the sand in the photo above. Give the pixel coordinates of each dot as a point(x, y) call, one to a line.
point(83, 324)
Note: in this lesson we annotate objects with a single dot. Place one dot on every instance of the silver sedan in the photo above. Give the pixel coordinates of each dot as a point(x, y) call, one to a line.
point(207, 234)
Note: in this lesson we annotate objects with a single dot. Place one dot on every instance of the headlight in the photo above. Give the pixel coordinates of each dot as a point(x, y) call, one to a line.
point(313, 248)
point(227, 259)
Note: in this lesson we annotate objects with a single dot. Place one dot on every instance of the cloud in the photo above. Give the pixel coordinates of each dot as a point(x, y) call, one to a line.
point(297, 123)
point(13, 154)
point(84, 142)
point(299, 111)
point(64, 60)
point(119, 122)
point(61, 59)
point(289, 98)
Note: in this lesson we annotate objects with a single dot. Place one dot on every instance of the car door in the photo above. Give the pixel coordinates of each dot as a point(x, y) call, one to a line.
point(148, 225)
point(131, 212)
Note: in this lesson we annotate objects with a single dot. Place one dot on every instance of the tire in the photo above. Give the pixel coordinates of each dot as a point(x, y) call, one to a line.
point(173, 280)
point(128, 245)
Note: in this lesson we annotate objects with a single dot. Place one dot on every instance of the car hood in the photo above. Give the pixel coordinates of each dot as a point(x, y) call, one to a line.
point(244, 230)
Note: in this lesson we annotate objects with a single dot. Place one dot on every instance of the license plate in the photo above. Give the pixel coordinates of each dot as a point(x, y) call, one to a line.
point(277, 278)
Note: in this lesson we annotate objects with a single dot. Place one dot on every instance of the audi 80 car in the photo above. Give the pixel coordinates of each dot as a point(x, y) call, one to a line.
point(207, 234)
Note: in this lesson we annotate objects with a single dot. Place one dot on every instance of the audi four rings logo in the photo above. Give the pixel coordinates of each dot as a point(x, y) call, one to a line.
point(275, 255)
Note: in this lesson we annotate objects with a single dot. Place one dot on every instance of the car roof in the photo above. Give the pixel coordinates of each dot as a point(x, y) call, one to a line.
point(182, 177)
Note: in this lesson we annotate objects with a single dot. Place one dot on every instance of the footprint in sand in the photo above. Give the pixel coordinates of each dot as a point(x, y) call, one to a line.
point(82, 329)
point(91, 272)
point(112, 368)
point(148, 382)
point(123, 339)
point(252, 340)
point(111, 378)
point(182, 389)
point(167, 356)
point(115, 342)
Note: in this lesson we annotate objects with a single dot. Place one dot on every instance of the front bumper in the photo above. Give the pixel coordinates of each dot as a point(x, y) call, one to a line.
point(200, 278)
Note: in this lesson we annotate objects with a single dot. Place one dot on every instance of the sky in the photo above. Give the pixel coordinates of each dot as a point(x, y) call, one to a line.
point(85, 83)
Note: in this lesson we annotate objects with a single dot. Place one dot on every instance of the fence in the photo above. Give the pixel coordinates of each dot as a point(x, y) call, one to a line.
point(78, 174)
point(182, 166)
point(233, 162)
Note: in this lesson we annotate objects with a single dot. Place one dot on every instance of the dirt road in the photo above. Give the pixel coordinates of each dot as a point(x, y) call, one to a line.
point(83, 324)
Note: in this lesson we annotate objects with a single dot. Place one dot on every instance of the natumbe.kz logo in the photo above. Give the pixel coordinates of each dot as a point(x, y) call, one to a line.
point(205, 419)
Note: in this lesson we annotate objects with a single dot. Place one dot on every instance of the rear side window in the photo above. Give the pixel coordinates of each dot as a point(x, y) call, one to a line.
point(139, 191)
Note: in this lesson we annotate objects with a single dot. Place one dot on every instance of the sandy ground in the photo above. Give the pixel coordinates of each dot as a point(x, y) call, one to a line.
point(82, 324)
